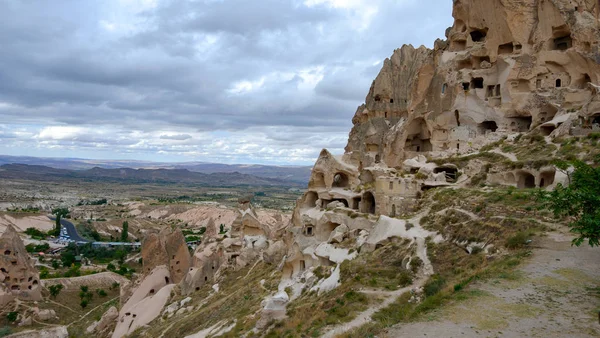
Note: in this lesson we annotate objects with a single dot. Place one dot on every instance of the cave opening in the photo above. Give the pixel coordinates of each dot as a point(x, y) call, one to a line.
point(477, 83)
point(479, 35)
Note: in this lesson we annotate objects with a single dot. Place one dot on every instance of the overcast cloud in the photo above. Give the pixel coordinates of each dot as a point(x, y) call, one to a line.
point(234, 81)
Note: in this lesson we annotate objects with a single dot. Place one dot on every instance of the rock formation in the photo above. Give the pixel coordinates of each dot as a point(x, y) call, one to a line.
point(167, 248)
point(146, 302)
point(248, 239)
point(18, 276)
point(507, 67)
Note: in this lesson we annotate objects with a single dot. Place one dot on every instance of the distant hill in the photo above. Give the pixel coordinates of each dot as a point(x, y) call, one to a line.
point(297, 174)
point(134, 176)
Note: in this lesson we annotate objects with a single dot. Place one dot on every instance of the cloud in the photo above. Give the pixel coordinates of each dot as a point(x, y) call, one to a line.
point(176, 137)
point(167, 78)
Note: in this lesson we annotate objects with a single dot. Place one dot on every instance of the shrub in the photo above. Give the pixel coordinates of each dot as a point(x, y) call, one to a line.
point(434, 285)
point(518, 240)
point(101, 293)
point(404, 279)
point(55, 290)
point(415, 264)
point(83, 303)
point(12, 316)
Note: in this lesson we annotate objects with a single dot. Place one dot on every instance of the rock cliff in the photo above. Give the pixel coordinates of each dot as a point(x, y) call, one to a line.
point(507, 67)
point(18, 276)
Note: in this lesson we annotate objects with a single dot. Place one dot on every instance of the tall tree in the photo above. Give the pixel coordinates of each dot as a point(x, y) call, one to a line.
point(125, 232)
point(59, 213)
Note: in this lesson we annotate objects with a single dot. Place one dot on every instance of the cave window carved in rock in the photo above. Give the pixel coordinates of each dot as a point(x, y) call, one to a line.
point(308, 231)
point(479, 35)
point(444, 87)
point(7, 252)
point(525, 180)
point(466, 86)
point(451, 173)
point(418, 138)
point(377, 98)
point(355, 203)
point(490, 91)
point(506, 48)
point(310, 201)
point(563, 43)
point(558, 83)
point(340, 180)
point(486, 126)
point(547, 178)
point(477, 83)
point(368, 203)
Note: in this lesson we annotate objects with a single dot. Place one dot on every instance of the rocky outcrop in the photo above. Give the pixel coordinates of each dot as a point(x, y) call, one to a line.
point(249, 239)
point(507, 67)
point(18, 276)
point(167, 248)
point(146, 302)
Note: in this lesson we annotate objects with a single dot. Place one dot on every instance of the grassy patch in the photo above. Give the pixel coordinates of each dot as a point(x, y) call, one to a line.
point(441, 294)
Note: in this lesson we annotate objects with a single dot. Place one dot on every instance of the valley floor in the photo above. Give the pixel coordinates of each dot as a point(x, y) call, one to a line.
point(556, 294)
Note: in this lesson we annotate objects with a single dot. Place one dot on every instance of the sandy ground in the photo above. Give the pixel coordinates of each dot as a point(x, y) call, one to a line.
point(553, 297)
point(21, 223)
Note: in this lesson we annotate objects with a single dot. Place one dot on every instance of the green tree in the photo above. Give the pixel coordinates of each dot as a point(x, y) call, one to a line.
point(580, 201)
point(125, 232)
point(58, 214)
point(83, 303)
point(55, 264)
point(12, 316)
point(55, 290)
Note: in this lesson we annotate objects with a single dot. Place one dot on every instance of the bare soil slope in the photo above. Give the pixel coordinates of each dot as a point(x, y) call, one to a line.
point(555, 295)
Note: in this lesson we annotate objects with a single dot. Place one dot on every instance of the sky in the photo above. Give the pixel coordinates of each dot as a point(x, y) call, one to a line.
point(228, 81)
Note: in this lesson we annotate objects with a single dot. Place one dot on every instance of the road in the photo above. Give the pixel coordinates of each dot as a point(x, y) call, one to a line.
point(74, 236)
point(71, 231)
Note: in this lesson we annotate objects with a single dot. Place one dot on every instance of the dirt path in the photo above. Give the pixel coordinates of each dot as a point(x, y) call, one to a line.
point(556, 295)
point(391, 296)
point(365, 317)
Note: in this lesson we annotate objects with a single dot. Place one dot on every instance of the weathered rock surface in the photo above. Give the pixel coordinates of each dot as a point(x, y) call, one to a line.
point(507, 67)
point(146, 302)
point(19, 276)
point(167, 248)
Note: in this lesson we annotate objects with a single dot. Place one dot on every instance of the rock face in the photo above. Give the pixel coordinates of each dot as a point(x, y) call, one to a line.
point(249, 239)
point(146, 302)
point(507, 67)
point(18, 276)
point(167, 248)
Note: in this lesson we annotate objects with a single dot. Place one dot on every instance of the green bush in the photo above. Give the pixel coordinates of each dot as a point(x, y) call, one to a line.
point(36, 234)
point(12, 316)
point(434, 285)
point(55, 290)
